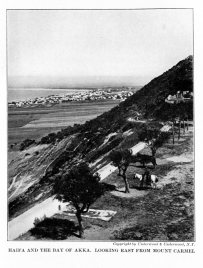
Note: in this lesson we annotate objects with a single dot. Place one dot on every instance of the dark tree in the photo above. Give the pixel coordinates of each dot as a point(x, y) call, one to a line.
point(26, 143)
point(81, 188)
point(149, 135)
point(153, 137)
point(121, 159)
point(161, 139)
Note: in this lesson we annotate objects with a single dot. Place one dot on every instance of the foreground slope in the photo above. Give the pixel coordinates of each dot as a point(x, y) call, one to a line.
point(32, 171)
point(164, 214)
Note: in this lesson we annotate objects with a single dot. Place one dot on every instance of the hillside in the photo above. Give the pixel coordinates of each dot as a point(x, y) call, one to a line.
point(150, 99)
point(32, 171)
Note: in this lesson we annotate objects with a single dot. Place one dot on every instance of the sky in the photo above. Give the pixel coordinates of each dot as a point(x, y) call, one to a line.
point(62, 48)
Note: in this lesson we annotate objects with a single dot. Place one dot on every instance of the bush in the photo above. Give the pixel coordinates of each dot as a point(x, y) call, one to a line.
point(26, 143)
point(163, 137)
point(54, 229)
point(45, 140)
point(38, 220)
point(147, 133)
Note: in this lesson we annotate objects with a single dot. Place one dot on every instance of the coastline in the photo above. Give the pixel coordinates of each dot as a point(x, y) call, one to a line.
point(23, 94)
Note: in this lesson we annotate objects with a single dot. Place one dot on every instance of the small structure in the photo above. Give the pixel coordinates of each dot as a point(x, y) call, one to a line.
point(170, 97)
point(179, 97)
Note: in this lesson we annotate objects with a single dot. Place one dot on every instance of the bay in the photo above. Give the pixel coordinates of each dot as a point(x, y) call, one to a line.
point(21, 94)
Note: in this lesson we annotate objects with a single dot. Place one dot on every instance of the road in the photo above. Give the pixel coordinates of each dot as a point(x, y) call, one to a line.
point(106, 171)
point(49, 207)
point(24, 222)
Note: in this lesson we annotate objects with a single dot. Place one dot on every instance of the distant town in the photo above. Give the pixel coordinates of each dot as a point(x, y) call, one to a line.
point(91, 95)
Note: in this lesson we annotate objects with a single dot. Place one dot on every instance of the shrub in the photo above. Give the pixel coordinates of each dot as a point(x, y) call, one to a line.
point(26, 143)
point(163, 137)
point(38, 220)
point(147, 133)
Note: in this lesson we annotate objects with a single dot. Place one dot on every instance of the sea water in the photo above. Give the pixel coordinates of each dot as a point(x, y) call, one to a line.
point(22, 94)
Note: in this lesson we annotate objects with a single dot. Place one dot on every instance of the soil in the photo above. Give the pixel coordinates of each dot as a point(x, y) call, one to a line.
point(133, 193)
point(180, 159)
point(162, 214)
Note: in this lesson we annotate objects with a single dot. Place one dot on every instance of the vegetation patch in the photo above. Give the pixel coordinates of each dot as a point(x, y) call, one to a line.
point(164, 217)
point(54, 229)
point(26, 143)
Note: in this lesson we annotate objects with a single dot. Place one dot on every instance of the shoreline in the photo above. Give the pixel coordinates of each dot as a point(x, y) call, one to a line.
point(35, 92)
point(53, 96)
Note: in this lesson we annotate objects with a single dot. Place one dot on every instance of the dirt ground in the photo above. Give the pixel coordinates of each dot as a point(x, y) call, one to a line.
point(165, 213)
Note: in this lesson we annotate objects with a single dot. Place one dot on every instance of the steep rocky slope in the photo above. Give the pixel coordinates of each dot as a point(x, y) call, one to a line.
point(37, 166)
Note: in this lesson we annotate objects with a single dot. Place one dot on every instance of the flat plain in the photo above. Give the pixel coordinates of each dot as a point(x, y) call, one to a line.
point(36, 122)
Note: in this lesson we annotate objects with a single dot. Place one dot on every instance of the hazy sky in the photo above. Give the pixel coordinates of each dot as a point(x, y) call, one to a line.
point(90, 45)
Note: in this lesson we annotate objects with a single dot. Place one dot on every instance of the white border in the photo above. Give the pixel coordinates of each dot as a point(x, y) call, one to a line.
point(99, 259)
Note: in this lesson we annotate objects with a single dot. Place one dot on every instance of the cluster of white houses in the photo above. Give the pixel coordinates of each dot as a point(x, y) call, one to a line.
point(77, 96)
point(180, 96)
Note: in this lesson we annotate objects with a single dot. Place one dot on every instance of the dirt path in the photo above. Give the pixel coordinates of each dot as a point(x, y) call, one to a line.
point(109, 168)
point(24, 222)
point(163, 214)
point(147, 214)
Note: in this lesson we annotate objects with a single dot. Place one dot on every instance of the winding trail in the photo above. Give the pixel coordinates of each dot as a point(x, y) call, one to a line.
point(49, 207)
point(109, 168)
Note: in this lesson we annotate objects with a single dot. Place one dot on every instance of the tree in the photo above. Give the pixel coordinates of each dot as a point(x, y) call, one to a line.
point(173, 129)
point(149, 135)
point(81, 188)
point(179, 128)
point(185, 118)
point(153, 137)
point(161, 139)
point(121, 159)
point(26, 143)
